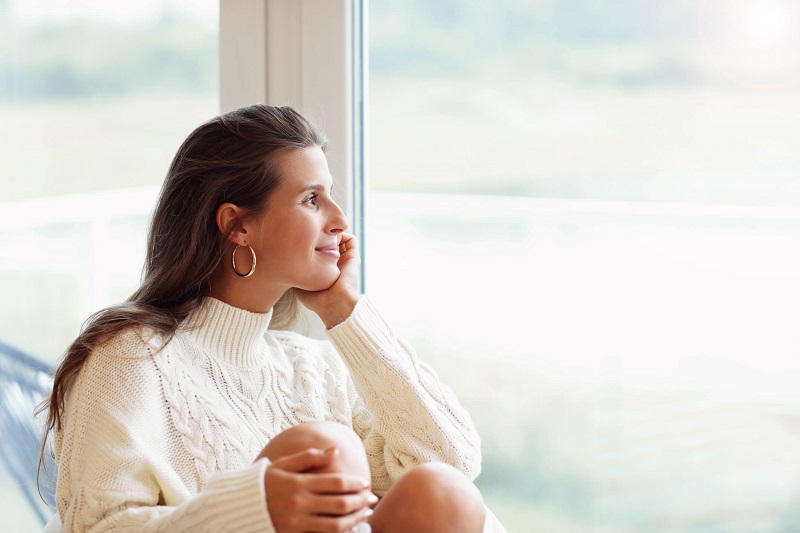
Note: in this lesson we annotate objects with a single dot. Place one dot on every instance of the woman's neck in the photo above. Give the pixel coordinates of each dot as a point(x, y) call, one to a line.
point(249, 294)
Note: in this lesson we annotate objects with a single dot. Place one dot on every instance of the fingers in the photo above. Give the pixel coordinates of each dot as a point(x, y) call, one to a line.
point(312, 458)
point(340, 505)
point(334, 483)
point(306, 460)
point(347, 242)
point(338, 524)
point(296, 503)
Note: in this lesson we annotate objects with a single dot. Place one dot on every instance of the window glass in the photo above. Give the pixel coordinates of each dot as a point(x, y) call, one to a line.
point(95, 98)
point(586, 216)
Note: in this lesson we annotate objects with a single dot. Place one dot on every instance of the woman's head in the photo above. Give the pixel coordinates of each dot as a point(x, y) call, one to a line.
point(295, 236)
point(234, 158)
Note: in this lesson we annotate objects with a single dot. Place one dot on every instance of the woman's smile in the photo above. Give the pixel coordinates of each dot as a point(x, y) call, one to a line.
point(330, 251)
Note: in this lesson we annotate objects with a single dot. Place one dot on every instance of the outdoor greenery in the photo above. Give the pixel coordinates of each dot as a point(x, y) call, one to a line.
point(90, 58)
point(570, 39)
point(544, 98)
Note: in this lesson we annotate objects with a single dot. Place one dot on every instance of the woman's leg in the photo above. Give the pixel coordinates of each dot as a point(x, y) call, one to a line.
point(351, 459)
point(431, 498)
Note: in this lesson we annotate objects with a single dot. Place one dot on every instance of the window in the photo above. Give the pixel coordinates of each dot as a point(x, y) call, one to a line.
point(585, 215)
point(95, 98)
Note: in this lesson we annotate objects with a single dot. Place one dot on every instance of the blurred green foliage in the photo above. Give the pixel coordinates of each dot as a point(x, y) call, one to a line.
point(81, 58)
point(569, 39)
point(563, 38)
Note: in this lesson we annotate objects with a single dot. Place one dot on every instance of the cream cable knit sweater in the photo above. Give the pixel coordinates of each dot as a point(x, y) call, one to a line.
point(165, 440)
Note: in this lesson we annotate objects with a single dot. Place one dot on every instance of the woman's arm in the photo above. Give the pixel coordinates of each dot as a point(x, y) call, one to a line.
point(402, 411)
point(230, 502)
point(120, 467)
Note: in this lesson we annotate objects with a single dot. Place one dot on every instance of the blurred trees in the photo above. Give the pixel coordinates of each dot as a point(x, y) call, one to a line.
point(561, 38)
point(80, 57)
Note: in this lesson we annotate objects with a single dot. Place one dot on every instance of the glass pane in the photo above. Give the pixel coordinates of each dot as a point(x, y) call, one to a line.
point(586, 215)
point(95, 98)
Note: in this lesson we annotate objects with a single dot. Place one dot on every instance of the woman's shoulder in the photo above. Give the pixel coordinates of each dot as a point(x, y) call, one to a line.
point(121, 367)
point(133, 342)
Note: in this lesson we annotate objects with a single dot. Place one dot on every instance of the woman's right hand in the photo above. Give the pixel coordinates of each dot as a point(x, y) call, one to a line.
point(335, 304)
point(300, 500)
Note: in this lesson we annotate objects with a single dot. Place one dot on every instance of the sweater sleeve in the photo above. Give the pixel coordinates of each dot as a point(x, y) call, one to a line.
point(402, 411)
point(115, 457)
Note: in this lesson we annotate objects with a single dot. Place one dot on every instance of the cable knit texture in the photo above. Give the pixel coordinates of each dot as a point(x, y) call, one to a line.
point(162, 438)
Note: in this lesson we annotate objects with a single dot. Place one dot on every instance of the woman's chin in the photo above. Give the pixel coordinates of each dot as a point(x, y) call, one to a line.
point(321, 283)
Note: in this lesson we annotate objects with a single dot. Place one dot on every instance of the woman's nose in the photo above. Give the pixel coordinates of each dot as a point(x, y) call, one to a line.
point(338, 220)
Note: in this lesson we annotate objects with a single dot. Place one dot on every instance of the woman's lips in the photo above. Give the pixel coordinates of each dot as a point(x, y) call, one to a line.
point(332, 251)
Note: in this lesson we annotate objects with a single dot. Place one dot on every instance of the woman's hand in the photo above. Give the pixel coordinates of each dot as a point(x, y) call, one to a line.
point(301, 501)
point(336, 303)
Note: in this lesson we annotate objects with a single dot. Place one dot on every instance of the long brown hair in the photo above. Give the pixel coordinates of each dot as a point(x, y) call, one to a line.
point(227, 159)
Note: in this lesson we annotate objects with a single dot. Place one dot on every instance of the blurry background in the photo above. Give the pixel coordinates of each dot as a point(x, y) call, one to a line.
point(95, 98)
point(585, 215)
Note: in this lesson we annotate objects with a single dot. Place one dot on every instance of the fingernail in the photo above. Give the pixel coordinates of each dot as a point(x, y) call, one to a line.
point(368, 512)
point(372, 498)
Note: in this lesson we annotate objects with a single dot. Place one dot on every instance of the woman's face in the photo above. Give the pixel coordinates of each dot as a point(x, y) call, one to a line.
point(297, 235)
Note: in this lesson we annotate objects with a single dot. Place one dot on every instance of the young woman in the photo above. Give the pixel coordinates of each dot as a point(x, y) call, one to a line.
point(179, 410)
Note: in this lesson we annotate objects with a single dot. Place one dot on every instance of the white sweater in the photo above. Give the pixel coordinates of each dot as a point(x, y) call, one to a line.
point(164, 439)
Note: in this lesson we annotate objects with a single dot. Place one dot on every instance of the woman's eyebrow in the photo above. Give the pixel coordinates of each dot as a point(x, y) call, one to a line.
point(314, 186)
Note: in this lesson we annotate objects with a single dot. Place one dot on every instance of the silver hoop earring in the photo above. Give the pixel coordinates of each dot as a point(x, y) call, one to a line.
point(252, 266)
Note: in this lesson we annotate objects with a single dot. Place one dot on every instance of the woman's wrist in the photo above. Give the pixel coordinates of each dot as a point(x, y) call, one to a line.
point(338, 310)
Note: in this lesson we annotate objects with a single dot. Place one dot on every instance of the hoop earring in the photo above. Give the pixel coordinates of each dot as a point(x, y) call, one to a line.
point(252, 266)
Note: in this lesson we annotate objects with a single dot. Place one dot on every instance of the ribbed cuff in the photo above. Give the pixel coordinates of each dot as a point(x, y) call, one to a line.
point(241, 499)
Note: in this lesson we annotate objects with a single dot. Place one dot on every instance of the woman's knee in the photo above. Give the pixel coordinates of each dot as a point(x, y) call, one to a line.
point(432, 497)
point(444, 486)
point(351, 457)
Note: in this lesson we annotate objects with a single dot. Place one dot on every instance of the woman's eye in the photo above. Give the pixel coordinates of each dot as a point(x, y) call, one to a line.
point(312, 199)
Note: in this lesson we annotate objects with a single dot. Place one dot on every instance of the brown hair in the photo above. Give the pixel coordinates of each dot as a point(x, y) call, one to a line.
point(230, 158)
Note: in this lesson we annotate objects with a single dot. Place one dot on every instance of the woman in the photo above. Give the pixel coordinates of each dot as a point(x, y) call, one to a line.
point(163, 403)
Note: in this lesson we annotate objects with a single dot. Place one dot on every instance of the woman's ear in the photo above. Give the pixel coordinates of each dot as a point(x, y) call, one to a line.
point(229, 222)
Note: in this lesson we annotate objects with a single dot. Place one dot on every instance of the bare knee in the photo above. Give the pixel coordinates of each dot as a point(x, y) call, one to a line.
point(351, 457)
point(431, 497)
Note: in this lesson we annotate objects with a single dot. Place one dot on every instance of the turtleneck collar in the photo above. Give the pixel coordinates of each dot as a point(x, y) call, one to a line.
point(228, 333)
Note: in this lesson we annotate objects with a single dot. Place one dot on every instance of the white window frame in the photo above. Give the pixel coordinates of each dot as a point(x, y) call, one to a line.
point(306, 54)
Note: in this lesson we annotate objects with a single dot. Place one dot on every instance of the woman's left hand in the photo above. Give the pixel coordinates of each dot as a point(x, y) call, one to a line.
point(336, 303)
